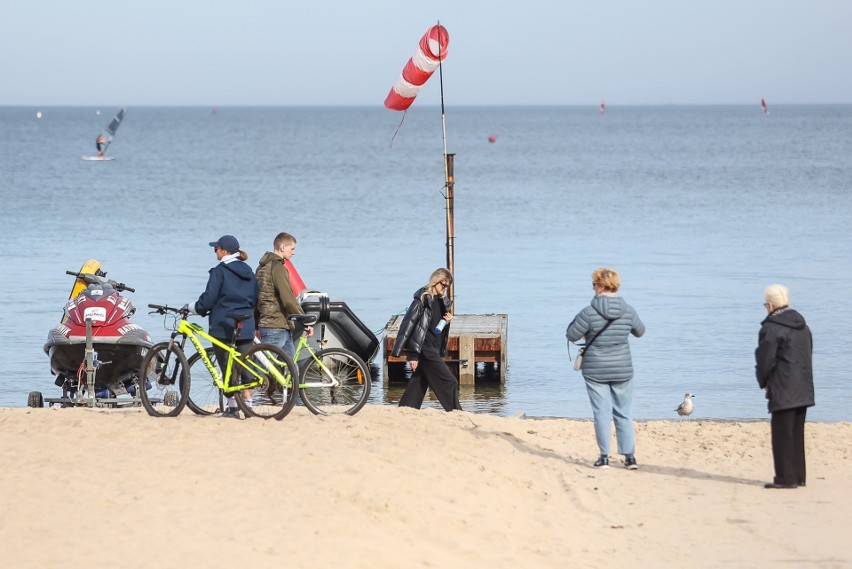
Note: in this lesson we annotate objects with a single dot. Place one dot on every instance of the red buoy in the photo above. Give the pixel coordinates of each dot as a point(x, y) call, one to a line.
point(296, 282)
point(492, 139)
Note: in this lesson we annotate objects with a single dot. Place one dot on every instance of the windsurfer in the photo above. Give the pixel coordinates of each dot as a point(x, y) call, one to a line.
point(100, 144)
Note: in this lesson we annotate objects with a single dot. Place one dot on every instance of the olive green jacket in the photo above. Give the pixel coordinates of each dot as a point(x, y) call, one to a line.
point(276, 300)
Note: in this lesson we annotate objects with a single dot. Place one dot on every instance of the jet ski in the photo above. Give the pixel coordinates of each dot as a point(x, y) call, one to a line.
point(95, 349)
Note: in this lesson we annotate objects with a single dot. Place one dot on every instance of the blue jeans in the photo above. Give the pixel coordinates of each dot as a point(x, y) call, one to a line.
point(280, 337)
point(613, 401)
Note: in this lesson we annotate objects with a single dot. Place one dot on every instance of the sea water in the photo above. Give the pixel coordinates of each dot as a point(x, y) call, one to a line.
point(698, 208)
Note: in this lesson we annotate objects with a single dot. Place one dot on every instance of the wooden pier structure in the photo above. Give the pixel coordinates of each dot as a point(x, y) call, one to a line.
point(474, 338)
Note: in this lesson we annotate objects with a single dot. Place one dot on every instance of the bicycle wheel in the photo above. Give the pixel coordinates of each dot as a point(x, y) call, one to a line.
point(325, 396)
point(164, 380)
point(276, 394)
point(205, 397)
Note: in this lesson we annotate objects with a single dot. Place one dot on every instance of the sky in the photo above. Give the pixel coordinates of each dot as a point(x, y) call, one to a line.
point(350, 52)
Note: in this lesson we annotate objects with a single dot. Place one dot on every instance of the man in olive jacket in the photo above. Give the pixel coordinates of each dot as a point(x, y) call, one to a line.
point(785, 372)
point(276, 301)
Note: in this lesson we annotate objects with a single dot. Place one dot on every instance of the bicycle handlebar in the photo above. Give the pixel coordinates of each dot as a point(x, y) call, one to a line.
point(160, 309)
point(97, 279)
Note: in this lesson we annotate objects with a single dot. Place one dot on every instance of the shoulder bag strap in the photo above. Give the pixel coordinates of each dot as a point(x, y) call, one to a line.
point(595, 337)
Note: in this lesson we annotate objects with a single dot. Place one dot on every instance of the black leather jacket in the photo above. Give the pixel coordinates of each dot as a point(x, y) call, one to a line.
point(414, 326)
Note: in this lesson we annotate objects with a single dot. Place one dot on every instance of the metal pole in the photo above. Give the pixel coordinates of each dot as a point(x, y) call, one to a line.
point(448, 180)
point(451, 230)
point(90, 365)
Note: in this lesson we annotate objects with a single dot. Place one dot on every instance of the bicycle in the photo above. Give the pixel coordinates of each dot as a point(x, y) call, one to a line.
point(333, 381)
point(246, 374)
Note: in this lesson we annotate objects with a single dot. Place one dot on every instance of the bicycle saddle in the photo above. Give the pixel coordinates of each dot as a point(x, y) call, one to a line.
point(239, 317)
point(304, 319)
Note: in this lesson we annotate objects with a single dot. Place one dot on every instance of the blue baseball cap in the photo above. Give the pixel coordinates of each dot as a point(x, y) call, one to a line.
point(227, 242)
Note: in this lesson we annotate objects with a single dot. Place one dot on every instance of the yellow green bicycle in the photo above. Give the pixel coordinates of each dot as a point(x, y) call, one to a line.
point(331, 380)
point(249, 376)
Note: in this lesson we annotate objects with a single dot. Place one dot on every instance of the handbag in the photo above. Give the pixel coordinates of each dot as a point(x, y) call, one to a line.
point(578, 361)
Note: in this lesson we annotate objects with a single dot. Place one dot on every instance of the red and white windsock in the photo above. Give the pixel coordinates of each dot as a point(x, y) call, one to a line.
point(430, 52)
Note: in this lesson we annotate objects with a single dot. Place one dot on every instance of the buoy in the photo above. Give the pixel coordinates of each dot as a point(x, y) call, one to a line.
point(296, 282)
point(492, 139)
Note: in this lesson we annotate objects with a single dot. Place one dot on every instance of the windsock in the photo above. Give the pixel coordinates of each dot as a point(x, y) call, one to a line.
point(430, 52)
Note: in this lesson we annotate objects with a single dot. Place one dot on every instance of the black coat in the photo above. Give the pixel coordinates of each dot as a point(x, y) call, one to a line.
point(784, 360)
point(414, 326)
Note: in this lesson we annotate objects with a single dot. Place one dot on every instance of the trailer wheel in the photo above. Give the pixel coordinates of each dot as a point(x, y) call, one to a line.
point(35, 399)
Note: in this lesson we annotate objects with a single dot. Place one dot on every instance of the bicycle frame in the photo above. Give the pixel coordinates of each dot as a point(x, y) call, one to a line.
point(193, 331)
point(300, 344)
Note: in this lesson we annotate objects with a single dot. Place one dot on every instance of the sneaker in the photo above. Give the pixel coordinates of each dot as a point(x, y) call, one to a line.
point(230, 413)
point(602, 462)
point(630, 462)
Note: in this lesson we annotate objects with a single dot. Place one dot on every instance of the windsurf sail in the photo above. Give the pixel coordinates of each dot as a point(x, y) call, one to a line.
point(113, 125)
point(116, 121)
point(602, 108)
point(763, 106)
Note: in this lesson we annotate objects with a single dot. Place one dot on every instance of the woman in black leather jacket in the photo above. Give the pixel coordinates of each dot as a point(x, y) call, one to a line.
point(424, 347)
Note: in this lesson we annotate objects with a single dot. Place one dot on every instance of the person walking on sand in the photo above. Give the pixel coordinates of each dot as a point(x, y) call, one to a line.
point(784, 371)
point(277, 302)
point(607, 366)
point(423, 336)
point(231, 289)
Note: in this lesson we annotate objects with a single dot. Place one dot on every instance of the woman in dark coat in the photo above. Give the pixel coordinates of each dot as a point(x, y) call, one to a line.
point(231, 289)
point(785, 372)
point(424, 346)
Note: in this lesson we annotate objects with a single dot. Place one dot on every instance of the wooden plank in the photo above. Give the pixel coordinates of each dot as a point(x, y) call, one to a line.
point(504, 355)
point(467, 369)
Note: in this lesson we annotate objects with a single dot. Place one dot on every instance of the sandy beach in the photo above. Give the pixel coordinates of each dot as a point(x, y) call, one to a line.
point(401, 488)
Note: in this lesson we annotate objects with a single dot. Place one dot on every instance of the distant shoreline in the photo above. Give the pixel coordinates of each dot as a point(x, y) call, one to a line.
point(591, 105)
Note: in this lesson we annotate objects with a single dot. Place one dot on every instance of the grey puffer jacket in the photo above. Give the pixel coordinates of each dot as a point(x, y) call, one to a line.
point(784, 359)
point(608, 359)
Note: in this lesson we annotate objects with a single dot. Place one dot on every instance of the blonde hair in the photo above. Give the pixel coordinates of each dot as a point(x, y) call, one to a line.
point(438, 276)
point(777, 295)
point(607, 278)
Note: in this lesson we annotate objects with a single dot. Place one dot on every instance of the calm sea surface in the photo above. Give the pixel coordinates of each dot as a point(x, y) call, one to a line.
point(699, 208)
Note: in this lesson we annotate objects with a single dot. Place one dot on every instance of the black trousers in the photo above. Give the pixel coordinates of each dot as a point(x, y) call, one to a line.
point(432, 371)
point(788, 445)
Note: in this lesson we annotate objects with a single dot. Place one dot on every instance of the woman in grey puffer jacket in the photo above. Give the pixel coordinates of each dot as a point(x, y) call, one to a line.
point(607, 366)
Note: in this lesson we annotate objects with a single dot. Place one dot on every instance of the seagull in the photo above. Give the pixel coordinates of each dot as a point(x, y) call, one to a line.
point(685, 408)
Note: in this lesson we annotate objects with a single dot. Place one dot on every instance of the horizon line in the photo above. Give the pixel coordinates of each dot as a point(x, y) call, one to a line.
point(379, 105)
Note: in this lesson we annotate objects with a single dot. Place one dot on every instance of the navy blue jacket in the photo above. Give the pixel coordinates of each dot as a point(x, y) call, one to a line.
point(231, 289)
